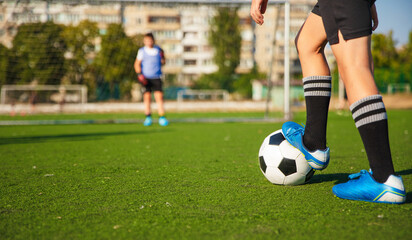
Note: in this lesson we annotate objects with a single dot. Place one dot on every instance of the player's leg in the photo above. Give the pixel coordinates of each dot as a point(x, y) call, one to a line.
point(160, 104)
point(369, 114)
point(355, 67)
point(310, 44)
point(353, 58)
point(147, 97)
point(158, 94)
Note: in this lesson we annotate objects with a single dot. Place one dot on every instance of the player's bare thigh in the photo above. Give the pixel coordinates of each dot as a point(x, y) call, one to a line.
point(312, 35)
point(310, 43)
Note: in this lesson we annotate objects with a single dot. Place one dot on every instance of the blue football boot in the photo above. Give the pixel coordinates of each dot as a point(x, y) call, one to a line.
point(363, 187)
point(163, 121)
point(293, 132)
point(148, 121)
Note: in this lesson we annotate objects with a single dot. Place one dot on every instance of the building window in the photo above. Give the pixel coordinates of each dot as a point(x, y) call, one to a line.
point(190, 62)
point(296, 63)
point(190, 34)
point(163, 19)
point(190, 49)
point(280, 62)
point(207, 62)
point(172, 61)
point(167, 34)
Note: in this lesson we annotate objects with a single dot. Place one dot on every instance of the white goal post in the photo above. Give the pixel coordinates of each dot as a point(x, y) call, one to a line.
point(11, 94)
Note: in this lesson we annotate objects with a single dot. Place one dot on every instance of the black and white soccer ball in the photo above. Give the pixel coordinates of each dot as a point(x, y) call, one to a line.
point(281, 163)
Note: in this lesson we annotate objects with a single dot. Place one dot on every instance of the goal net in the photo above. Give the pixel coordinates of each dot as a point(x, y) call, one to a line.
point(43, 94)
point(92, 45)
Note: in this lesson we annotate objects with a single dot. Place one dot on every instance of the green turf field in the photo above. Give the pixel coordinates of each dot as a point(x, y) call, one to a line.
point(185, 181)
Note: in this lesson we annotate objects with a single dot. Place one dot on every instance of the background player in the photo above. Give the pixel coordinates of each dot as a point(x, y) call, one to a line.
point(148, 64)
point(347, 26)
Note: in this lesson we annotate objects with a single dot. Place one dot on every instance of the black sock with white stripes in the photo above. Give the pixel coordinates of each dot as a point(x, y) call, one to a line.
point(317, 97)
point(370, 118)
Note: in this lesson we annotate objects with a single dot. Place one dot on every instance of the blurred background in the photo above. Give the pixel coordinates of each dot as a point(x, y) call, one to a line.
point(78, 55)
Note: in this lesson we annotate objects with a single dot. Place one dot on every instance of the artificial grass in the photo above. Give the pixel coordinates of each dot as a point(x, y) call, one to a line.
point(185, 181)
point(172, 115)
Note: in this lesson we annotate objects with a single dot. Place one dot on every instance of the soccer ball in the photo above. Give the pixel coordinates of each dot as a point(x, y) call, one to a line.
point(281, 163)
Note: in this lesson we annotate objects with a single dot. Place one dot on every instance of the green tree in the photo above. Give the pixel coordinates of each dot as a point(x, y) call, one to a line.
point(80, 41)
point(392, 66)
point(405, 61)
point(383, 50)
point(114, 62)
point(4, 63)
point(226, 40)
point(405, 53)
point(243, 85)
point(38, 54)
point(211, 81)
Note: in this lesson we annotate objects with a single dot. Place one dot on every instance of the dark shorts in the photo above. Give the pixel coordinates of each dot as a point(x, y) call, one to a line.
point(153, 85)
point(351, 17)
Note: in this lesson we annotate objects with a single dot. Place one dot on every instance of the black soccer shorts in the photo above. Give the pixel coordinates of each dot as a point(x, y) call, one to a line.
point(351, 17)
point(153, 85)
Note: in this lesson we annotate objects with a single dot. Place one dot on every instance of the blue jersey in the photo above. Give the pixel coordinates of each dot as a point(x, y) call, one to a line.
point(151, 61)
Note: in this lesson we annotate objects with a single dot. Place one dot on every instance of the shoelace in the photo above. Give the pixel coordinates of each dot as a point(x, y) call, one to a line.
point(298, 131)
point(357, 175)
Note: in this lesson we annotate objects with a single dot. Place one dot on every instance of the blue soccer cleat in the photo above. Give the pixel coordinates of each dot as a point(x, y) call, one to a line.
point(163, 121)
point(362, 187)
point(148, 121)
point(293, 132)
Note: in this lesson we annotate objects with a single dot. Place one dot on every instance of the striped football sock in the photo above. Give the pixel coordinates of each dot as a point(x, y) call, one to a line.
point(317, 97)
point(370, 118)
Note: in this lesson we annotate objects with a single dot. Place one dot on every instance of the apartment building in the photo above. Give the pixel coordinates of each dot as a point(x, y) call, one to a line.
point(182, 31)
point(270, 38)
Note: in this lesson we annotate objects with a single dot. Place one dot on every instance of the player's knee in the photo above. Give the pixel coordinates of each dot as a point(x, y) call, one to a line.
point(306, 48)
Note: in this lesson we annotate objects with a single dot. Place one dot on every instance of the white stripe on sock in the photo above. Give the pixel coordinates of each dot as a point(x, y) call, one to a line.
point(326, 78)
point(317, 85)
point(368, 108)
point(317, 93)
point(355, 104)
point(371, 119)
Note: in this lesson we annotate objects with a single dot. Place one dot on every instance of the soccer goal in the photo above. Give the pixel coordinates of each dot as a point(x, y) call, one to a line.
point(95, 42)
point(399, 88)
point(43, 94)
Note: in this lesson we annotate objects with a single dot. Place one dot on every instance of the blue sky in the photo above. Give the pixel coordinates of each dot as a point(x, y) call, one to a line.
point(395, 15)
